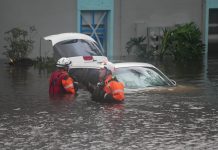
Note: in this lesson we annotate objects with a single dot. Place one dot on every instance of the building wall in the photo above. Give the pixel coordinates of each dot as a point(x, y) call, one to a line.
point(210, 38)
point(48, 17)
point(157, 13)
point(58, 16)
point(100, 5)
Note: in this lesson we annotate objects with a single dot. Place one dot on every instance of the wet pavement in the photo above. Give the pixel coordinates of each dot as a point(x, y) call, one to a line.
point(184, 117)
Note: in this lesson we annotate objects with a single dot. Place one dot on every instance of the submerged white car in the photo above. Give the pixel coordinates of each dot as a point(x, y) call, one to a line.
point(134, 75)
point(87, 59)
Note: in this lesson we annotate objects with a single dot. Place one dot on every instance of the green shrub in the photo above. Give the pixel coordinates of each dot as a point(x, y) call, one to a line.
point(183, 42)
point(137, 45)
point(19, 43)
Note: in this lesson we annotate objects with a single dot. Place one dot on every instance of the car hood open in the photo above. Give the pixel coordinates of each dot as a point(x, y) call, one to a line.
point(56, 38)
point(73, 44)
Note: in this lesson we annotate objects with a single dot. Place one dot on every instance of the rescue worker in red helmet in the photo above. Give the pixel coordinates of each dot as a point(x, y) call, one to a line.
point(109, 89)
point(60, 82)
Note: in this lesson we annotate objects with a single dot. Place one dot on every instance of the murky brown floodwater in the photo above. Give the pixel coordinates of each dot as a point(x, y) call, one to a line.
point(185, 117)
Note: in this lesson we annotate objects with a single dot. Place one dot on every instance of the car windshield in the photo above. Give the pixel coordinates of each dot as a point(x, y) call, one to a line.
point(140, 77)
point(76, 47)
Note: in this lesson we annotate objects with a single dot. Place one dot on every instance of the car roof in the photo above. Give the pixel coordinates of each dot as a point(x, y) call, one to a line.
point(132, 64)
point(56, 38)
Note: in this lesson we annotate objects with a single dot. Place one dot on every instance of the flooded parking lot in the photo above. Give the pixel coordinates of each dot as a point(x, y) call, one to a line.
point(184, 117)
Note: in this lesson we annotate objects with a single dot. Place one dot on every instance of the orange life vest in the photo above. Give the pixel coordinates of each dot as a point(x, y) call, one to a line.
point(60, 83)
point(115, 88)
point(68, 85)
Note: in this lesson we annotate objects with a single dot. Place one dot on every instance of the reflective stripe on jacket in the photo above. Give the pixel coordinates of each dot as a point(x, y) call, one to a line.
point(68, 85)
point(115, 88)
point(56, 86)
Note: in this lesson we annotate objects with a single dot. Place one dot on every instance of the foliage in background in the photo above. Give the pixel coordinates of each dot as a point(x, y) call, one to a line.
point(19, 43)
point(163, 51)
point(183, 42)
point(44, 62)
point(137, 45)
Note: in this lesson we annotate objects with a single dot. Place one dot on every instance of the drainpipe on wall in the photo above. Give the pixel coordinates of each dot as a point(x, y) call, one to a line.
point(121, 47)
point(40, 48)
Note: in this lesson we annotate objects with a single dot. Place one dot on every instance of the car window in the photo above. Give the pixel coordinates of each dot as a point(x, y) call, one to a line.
point(76, 47)
point(139, 77)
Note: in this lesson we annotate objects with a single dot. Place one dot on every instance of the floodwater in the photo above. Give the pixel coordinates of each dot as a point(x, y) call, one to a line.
point(185, 117)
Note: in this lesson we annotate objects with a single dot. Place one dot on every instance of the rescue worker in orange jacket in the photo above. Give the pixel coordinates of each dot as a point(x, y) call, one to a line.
point(109, 89)
point(60, 82)
point(113, 89)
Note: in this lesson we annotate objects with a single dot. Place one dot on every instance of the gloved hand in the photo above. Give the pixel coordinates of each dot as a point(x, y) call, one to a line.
point(100, 84)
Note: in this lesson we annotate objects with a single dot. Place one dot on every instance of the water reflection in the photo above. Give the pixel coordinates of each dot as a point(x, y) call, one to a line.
point(184, 117)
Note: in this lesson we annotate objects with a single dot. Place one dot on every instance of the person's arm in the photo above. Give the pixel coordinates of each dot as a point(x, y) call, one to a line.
point(107, 89)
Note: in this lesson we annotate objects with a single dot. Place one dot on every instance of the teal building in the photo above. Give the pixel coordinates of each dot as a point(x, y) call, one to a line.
point(110, 22)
